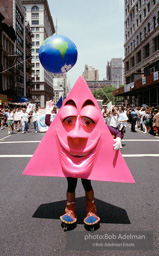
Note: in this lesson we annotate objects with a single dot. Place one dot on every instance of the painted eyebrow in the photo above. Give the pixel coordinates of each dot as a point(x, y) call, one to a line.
point(88, 102)
point(71, 102)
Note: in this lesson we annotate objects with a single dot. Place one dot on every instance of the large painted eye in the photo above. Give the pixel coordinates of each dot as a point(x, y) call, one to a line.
point(69, 120)
point(86, 121)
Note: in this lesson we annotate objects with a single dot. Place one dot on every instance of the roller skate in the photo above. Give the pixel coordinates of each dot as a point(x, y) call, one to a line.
point(92, 220)
point(69, 219)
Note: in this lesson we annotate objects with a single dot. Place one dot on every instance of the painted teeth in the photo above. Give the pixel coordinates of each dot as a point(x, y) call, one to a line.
point(76, 155)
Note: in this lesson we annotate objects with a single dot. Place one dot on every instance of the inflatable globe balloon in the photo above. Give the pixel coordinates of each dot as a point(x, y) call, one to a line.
point(58, 54)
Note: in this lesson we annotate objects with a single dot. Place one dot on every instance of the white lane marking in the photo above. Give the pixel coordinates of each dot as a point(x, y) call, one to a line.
point(5, 137)
point(10, 156)
point(139, 140)
point(14, 142)
point(124, 155)
point(140, 155)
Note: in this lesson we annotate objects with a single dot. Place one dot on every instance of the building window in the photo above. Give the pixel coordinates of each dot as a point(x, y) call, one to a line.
point(154, 22)
point(35, 9)
point(140, 3)
point(154, 2)
point(32, 43)
point(137, 8)
point(146, 51)
point(145, 32)
point(144, 12)
point(140, 18)
point(156, 42)
point(127, 65)
point(148, 27)
point(137, 40)
point(140, 37)
point(137, 22)
point(138, 56)
point(32, 28)
point(32, 50)
point(148, 7)
point(132, 61)
point(35, 15)
point(37, 29)
point(37, 86)
point(35, 22)
point(37, 57)
point(37, 35)
point(37, 65)
point(37, 43)
point(37, 50)
point(38, 72)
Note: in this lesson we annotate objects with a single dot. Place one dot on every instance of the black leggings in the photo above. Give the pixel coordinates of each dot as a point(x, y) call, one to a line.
point(72, 183)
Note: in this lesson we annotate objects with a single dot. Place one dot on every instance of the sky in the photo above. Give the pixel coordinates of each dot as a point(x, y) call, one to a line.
point(97, 29)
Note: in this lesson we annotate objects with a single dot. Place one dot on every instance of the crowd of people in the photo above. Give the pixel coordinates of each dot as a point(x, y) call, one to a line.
point(18, 119)
point(144, 118)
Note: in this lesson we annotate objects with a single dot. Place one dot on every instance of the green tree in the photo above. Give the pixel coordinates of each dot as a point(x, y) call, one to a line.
point(105, 94)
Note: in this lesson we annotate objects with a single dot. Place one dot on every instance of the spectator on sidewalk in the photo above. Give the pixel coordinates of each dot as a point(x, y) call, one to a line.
point(10, 119)
point(133, 119)
point(24, 120)
point(122, 119)
point(1, 119)
point(156, 121)
point(113, 118)
point(17, 119)
point(35, 119)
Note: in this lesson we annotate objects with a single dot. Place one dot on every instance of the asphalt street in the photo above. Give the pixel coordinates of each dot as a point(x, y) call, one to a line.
point(30, 206)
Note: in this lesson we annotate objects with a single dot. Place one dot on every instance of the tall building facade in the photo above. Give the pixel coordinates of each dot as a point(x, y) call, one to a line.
point(141, 53)
point(90, 74)
point(141, 37)
point(14, 14)
point(7, 74)
point(37, 13)
point(114, 71)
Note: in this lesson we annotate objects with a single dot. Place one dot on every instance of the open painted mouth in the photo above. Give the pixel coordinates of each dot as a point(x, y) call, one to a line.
point(75, 164)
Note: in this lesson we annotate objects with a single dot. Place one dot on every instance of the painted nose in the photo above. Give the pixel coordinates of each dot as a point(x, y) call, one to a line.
point(75, 134)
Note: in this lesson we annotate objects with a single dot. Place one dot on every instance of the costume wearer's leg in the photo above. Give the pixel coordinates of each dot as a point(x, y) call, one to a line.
point(70, 216)
point(91, 211)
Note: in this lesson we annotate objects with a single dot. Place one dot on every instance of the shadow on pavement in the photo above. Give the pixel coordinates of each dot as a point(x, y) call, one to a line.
point(108, 213)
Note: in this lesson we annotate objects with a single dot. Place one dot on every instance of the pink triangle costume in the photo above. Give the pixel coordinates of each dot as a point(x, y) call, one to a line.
point(79, 144)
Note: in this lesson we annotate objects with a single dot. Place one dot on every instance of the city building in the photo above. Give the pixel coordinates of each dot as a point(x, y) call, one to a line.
point(37, 13)
point(95, 85)
point(14, 14)
point(28, 63)
point(90, 74)
point(7, 62)
point(141, 61)
point(114, 71)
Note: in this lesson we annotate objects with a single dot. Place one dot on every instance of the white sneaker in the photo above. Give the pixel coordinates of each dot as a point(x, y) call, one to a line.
point(22, 132)
point(8, 133)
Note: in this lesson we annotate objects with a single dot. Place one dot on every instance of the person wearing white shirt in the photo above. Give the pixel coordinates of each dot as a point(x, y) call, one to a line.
point(122, 121)
point(10, 118)
point(35, 119)
point(113, 118)
point(24, 119)
point(17, 119)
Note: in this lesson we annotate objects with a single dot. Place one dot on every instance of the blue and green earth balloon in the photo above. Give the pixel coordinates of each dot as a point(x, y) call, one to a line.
point(58, 54)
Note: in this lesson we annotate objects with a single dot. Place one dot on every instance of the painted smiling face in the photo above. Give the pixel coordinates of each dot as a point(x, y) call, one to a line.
point(77, 137)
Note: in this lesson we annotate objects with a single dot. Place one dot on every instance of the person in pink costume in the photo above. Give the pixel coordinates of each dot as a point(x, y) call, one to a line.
point(79, 144)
